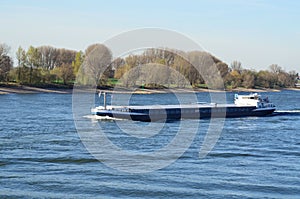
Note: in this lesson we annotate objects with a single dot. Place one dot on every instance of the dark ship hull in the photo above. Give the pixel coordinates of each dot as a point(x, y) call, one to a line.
point(178, 112)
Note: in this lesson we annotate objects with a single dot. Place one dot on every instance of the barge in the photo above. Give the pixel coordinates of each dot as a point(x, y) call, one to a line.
point(244, 106)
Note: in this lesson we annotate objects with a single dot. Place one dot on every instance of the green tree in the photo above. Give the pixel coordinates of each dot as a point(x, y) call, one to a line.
point(248, 78)
point(264, 79)
point(33, 58)
point(79, 58)
point(21, 58)
point(236, 79)
point(65, 73)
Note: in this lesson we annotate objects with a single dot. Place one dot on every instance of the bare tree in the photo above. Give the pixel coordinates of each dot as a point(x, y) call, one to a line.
point(97, 60)
point(65, 56)
point(178, 74)
point(4, 49)
point(206, 64)
point(237, 66)
point(49, 56)
point(275, 68)
point(6, 62)
point(5, 66)
point(223, 68)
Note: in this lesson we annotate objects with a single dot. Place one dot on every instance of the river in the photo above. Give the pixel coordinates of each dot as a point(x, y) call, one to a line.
point(42, 154)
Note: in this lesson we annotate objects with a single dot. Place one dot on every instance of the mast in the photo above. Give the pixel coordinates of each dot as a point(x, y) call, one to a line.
point(104, 100)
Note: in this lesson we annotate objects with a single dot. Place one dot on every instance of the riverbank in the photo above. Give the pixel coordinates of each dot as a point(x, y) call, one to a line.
point(21, 89)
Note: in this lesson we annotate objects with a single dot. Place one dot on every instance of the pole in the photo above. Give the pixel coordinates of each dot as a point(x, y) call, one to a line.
point(104, 100)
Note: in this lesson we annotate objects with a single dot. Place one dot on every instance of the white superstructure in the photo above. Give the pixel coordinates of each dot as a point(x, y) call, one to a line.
point(252, 100)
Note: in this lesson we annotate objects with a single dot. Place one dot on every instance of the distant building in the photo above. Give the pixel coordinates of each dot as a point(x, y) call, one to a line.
point(297, 82)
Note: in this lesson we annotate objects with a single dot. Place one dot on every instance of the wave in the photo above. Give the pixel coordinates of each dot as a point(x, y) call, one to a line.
point(63, 160)
point(230, 155)
point(287, 113)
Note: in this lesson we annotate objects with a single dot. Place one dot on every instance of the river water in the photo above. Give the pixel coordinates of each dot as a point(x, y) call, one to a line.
point(42, 155)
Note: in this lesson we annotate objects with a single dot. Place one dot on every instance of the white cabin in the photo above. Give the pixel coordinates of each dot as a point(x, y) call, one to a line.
point(252, 100)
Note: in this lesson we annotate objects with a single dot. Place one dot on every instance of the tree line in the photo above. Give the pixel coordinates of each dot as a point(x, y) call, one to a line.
point(194, 66)
point(45, 65)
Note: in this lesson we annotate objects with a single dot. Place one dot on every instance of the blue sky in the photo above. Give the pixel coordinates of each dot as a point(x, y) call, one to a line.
point(257, 33)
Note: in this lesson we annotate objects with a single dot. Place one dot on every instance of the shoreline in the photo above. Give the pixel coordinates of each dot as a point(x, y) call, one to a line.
point(20, 89)
point(16, 89)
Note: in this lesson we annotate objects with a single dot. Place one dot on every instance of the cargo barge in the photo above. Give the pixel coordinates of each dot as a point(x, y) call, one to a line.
point(244, 106)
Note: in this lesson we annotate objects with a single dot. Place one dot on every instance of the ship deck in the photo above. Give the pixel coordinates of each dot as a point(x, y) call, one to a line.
point(178, 106)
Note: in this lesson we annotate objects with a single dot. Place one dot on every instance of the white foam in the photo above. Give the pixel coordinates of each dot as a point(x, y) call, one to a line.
point(287, 111)
point(97, 117)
